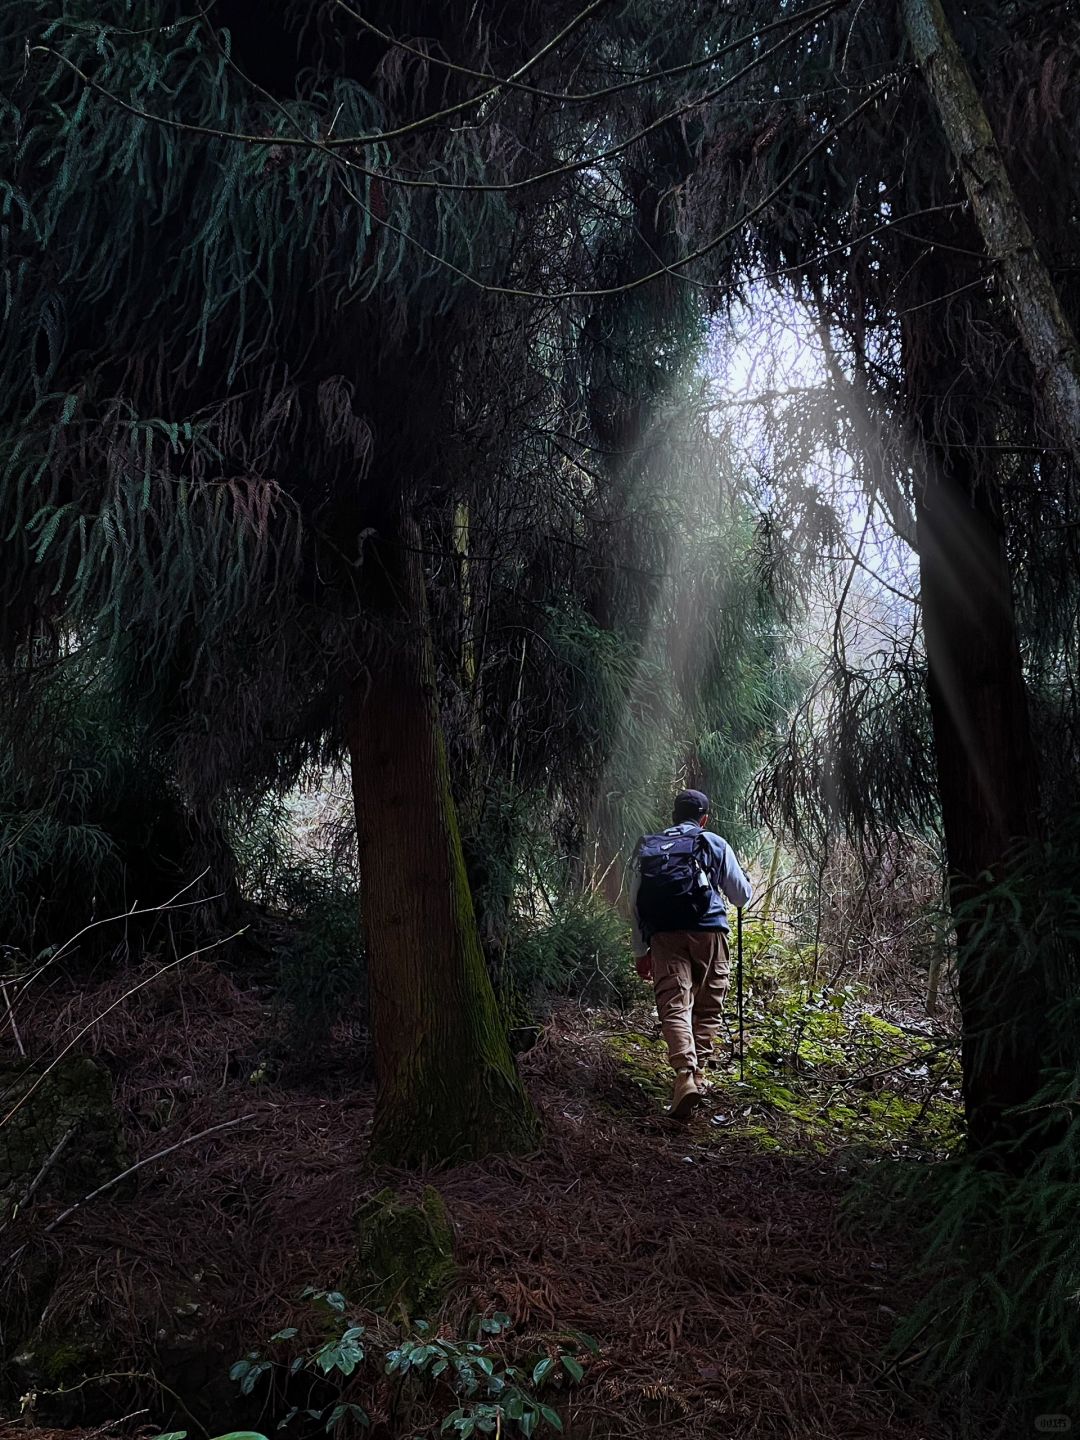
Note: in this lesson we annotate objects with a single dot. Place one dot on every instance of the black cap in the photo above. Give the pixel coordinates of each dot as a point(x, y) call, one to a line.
point(690, 805)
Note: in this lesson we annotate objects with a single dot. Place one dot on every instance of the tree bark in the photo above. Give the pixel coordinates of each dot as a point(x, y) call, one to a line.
point(1044, 330)
point(446, 1086)
point(986, 774)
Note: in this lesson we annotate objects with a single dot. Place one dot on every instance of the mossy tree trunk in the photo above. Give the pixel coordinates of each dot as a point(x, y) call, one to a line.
point(1033, 302)
point(447, 1088)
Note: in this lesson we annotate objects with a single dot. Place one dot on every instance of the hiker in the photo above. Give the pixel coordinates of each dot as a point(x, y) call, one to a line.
point(680, 879)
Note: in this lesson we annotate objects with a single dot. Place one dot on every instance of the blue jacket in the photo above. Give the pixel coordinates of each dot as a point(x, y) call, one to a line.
point(725, 876)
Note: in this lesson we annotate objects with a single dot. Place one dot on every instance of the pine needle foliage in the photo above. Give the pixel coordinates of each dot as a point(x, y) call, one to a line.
point(873, 240)
point(223, 321)
point(89, 825)
point(999, 1251)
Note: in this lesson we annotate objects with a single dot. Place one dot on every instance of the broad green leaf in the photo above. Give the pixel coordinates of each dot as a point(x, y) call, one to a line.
point(250, 1380)
point(587, 1342)
point(542, 1369)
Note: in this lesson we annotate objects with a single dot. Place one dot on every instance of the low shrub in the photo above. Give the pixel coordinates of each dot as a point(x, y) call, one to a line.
point(581, 949)
point(339, 1373)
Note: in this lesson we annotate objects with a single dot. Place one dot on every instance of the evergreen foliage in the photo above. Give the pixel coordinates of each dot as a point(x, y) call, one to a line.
point(90, 827)
point(221, 313)
point(998, 1251)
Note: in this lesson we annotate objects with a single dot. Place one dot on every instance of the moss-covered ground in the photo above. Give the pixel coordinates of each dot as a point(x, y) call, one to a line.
point(819, 1067)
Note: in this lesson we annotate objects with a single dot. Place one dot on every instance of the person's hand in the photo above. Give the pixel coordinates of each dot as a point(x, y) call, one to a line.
point(643, 965)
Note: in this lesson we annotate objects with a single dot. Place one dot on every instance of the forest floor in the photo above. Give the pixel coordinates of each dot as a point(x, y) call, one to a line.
point(712, 1261)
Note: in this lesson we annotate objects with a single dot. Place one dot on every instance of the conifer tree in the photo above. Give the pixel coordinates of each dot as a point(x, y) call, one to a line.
point(286, 293)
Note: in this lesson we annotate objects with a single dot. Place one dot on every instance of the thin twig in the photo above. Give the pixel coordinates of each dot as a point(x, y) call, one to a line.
point(119, 1001)
point(116, 1179)
point(133, 913)
point(11, 1019)
point(28, 1193)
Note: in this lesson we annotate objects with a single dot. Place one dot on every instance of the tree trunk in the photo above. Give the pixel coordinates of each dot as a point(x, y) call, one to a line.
point(1033, 302)
point(446, 1086)
point(986, 772)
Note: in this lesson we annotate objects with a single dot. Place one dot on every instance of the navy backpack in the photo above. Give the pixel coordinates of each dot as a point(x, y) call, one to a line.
point(674, 891)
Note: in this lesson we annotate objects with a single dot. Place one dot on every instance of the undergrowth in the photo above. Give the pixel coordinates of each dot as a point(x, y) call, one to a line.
point(996, 1230)
point(819, 1068)
point(824, 1059)
point(90, 825)
point(581, 950)
point(321, 965)
point(343, 1375)
point(311, 899)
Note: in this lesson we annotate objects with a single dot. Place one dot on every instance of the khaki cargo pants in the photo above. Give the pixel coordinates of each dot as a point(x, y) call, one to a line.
point(691, 973)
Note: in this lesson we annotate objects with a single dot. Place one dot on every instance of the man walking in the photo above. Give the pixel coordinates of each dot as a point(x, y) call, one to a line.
point(680, 881)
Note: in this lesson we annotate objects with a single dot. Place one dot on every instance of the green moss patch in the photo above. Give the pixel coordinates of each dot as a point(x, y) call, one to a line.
point(821, 1070)
point(643, 1076)
point(405, 1253)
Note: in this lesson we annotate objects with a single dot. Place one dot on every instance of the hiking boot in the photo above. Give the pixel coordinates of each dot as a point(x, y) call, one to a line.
point(686, 1096)
point(702, 1081)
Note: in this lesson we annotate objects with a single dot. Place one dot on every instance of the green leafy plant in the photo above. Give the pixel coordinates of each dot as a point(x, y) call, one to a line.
point(229, 1435)
point(322, 968)
point(311, 898)
point(999, 1263)
point(491, 1394)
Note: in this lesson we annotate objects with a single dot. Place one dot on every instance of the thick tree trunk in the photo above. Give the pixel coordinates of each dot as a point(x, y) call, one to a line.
point(986, 772)
point(447, 1088)
point(1033, 302)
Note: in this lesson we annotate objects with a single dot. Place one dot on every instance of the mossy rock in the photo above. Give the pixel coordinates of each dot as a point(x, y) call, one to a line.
point(65, 1114)
point(405, 1253)
point(55, 1364)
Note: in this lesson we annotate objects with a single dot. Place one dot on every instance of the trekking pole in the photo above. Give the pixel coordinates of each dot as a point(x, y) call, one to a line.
point(739, 993)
